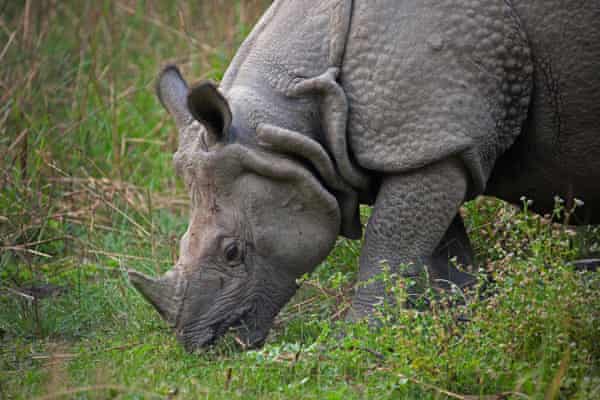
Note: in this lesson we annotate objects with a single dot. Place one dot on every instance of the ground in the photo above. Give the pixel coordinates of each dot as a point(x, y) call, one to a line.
point(88, 190)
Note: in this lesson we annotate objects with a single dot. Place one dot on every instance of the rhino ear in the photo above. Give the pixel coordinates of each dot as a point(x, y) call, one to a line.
point(172, 91)
point(208, 106)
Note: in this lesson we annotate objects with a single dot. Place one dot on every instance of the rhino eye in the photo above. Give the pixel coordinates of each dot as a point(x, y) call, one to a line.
point(233, 253)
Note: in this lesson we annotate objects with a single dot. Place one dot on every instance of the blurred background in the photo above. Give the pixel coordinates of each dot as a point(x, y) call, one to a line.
point(87, 190)
point(87, 187)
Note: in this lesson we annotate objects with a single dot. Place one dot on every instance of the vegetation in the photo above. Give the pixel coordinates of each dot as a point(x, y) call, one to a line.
point(88, 190)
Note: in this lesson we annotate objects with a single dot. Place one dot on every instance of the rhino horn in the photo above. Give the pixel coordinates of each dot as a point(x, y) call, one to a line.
point(163, 293)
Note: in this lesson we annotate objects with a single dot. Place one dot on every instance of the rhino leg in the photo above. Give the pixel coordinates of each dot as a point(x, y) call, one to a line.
point(454, 244)
point(412, 213)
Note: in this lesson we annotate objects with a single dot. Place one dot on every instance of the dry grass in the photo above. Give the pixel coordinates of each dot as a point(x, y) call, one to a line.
point(72, 67)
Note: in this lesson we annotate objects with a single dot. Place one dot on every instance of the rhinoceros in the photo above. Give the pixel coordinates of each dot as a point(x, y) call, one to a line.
point(413, 107)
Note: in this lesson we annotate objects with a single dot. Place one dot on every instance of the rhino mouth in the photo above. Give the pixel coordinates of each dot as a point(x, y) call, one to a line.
point(249, 311)
point(244, 327)
point(250, 318)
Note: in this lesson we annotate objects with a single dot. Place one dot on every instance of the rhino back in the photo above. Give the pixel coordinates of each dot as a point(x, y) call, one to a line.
point(295, 40)
point(558, 152)
point(434, 79)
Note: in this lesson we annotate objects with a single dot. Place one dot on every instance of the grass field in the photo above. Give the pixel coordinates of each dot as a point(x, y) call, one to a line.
point(88, 190)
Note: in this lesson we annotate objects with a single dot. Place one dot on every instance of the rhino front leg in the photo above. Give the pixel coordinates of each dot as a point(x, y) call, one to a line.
point(412, 213)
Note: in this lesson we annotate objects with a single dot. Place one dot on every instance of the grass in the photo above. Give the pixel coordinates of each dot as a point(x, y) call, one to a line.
point(88, 191)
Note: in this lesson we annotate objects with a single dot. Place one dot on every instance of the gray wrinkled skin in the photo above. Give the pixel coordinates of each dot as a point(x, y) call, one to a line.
point(413, 106)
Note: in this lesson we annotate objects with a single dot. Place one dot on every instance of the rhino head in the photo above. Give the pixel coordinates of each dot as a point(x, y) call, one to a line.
point(259, 220)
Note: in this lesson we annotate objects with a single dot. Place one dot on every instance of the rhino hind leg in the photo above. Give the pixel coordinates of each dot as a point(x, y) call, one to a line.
point(587, 265)
point(413, 214)
point(455, 247)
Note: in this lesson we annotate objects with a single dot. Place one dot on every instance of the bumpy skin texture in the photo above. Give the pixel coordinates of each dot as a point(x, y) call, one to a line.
point(415, 106)
point(428, 80)
point(558, 151)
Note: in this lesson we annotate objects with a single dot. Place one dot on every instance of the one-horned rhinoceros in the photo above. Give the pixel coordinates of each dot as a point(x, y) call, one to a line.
point(412, 106)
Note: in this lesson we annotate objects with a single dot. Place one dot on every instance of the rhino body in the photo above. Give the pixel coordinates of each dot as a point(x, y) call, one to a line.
point(411, 106)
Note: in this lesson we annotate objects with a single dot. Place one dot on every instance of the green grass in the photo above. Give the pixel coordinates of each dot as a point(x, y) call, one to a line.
point(88, 191)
